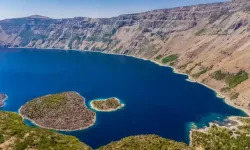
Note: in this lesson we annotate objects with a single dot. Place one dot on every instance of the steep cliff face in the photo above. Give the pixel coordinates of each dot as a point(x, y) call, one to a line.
point(210, 42)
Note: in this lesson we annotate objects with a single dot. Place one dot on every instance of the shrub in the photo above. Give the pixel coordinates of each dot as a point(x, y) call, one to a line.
point(158, 57)
point(219, 75)
point(170, 58)
point(234, 95)
point(1, 138)
point(200, 32)
point(197, 75)
point(225, 90)
point(234, 80)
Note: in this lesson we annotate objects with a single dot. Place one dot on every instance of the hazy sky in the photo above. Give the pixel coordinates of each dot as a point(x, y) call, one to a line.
point(85, 8)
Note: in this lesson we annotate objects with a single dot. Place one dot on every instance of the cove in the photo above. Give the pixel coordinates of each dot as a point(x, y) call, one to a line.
point(157, 101)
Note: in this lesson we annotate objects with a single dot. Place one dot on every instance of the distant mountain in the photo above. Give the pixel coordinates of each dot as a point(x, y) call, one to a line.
point(38, 16)
point(210, 42)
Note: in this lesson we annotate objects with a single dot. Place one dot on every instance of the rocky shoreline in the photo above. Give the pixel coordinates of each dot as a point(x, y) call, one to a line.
point(107, 105)
point(3, 97)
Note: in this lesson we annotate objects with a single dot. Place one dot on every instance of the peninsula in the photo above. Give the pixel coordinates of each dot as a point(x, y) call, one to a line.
point(15, 134)
point(3, 97)
point(64, 111)
point(107, 105)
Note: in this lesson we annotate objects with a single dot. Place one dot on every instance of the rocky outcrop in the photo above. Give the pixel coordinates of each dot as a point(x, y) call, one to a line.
point(206, 38)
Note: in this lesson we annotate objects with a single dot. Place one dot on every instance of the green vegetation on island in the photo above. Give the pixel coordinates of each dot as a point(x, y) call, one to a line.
point(110, 104)
point(14, 134)
point(170, 58)
point(145, 142)
point(64, 111)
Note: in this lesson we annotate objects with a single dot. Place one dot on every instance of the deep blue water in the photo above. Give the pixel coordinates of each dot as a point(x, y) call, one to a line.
point(157, 100)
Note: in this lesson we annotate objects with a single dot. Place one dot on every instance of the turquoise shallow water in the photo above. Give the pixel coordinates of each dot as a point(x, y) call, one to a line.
point(157, 100)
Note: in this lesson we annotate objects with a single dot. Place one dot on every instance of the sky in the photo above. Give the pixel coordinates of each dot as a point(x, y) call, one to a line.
point(86, 8)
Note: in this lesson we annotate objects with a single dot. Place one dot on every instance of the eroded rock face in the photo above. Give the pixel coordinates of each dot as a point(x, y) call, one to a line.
point(206, 37)
point(101, 34)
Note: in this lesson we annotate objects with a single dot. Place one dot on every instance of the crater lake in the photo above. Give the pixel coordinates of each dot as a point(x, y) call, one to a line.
point(157, 101)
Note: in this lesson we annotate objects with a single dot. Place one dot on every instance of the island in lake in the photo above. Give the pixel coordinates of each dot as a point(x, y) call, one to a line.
point(107, 105)
point(64, 111)
point(3, 97)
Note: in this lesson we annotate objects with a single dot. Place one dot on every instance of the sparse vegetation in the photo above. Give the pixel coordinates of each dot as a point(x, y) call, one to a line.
point(172, 63)
point(75, 38)
point(170, 58)
point(219, 75)
point(234, 80)
point(217, 137)
point(117, 50)
point(145, 142)
point(225, 89)
point(217, 15)
point(113, 31)
point(182, 67)
point(197, 75)
point(234, 95)
point(1, 138)
point(86, 48)
point(46, 111)
point(158, 57)
point(92, 38)
point(189, 70)
point(106, 105)
point(53, 101)
point(25, 137)
point(200, 32)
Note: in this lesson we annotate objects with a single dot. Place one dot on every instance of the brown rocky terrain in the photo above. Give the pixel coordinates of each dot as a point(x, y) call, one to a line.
point(202, 39)
point(65, 111)
point(110, 104)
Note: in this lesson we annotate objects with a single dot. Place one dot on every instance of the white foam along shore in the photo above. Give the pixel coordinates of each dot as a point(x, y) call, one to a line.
point(3, 100)
point(220, 95)
point(106, 110)
point(33, 122)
